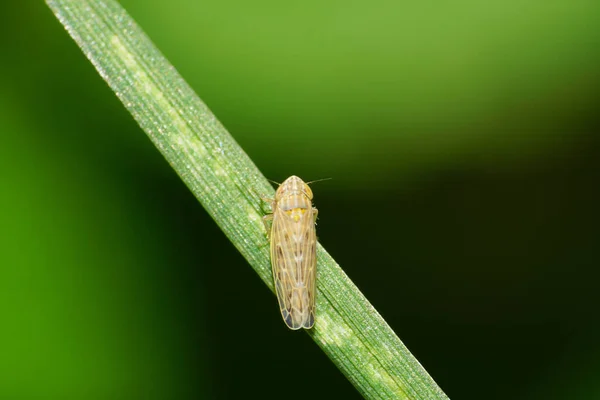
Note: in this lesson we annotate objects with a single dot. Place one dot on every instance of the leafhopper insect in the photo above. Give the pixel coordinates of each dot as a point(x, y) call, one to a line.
point(293, 252)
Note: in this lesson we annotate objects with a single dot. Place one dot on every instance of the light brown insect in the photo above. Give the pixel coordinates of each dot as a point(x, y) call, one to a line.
point(293, 252)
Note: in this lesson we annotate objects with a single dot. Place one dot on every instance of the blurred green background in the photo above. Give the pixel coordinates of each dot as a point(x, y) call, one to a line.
point(462, 139)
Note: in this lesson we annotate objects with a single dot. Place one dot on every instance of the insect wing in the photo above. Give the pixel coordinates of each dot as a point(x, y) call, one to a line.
point(293, 255)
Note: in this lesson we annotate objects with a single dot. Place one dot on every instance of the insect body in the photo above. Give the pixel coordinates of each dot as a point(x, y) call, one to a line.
point(293, 252)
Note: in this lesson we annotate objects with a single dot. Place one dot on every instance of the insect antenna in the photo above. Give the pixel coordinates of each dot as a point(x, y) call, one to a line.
point(275, 182)
point(319, 180)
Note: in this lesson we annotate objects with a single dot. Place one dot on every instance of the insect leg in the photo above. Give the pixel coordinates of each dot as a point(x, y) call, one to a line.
point(268, 221)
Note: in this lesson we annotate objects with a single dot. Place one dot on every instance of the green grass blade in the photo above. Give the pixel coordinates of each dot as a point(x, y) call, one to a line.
point(226, 182)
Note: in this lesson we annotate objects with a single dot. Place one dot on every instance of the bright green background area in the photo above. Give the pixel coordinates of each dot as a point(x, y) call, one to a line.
point(462, 139)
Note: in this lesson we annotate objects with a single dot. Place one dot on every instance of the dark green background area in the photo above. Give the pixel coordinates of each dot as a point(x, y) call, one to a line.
point(462, 142)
